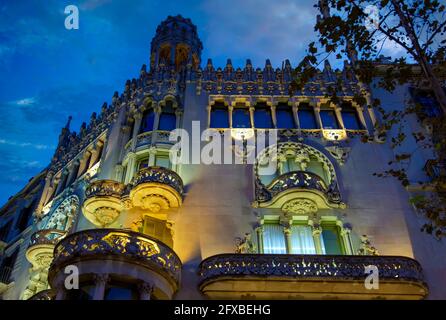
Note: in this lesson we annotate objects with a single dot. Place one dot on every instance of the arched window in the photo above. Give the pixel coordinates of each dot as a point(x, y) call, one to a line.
point(262, 116)
point(307, 120)
point(240, 117)
point(328, 117)
point(350, 117)
point(147, 120)
point(284, 116)
point(168, 118)
point(219, 116)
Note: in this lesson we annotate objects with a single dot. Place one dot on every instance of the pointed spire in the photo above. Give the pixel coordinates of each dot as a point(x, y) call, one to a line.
point(67, 126)
point(248, 63)
point(287, 63)
point(209, 64)
point(268, 63)
point(229, 63)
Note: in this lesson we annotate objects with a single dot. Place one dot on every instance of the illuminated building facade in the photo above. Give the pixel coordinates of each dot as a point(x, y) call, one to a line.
point(113, 205)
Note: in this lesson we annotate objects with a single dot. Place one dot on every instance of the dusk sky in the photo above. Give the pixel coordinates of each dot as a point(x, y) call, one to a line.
point(48, 72)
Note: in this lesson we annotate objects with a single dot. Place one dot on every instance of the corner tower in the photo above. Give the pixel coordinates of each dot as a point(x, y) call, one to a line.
point(176, 44)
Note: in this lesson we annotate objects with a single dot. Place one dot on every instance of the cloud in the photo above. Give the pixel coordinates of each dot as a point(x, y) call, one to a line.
point(259, 29)
point(25, 144)
point(25, 101)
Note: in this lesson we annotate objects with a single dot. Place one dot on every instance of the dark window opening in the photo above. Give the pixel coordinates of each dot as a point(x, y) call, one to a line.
point(240, 117)
point(284, 116)
point(117, 291)
point(307, 119)
point(350, 117)
point(168, 118)
point(25, 216)
point(7, 266)
point(147, 121)
point(4, 231)
point(427, 101)
point(219, 116)
point(262, 116)
point(329, 120)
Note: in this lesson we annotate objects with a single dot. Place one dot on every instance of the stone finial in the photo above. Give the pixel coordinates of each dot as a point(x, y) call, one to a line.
point(67, 126)
point(209, 63)
point(268, 63)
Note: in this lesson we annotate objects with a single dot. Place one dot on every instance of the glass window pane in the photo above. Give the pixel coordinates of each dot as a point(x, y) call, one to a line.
point(240, 118)
point(262, 117)
point(144, 163)
point(120, 293)
point(302, 240)
point(167, 121)
point(307, 119)
point(331, 240)
point(265, 174)
point(284, 117)
point(147, 121)
point(329, 120)
point(162, 161)
point(273, 239)
point(219, 118)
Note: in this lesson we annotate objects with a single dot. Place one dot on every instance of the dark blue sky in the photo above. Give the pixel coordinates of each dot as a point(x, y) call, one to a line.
point(48, 72)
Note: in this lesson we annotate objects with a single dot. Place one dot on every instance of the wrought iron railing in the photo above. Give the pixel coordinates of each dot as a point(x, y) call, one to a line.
point(297, 180)
point(48, 294)
point(104, 188)
point(46, 236)
point(159, 175)
point(323, 267)
point(122, 244)
point(5, 275)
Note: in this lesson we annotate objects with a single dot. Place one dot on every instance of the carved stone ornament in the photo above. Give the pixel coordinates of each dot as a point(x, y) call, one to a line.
point(245, 245)
point(300, 206)
point(339, 153)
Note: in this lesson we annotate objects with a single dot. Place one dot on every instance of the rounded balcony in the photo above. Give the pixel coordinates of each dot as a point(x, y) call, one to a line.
point(287, 191)
point(287, 276)
point(155, 189)
point(41, 247)
point(116, 255)
point(103, 204)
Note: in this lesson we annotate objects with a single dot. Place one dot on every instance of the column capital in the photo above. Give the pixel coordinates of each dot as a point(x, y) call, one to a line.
point(101, 278)
point(145, 288)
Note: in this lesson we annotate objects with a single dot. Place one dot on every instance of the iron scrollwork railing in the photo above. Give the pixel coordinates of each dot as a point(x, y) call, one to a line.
point(298, 180)
point(104, 188)
point(46, 236)
point(159, 175)
point(123, 244)
point(324, 267)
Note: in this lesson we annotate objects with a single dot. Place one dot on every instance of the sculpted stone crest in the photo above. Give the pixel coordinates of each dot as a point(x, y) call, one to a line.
point(300, 206)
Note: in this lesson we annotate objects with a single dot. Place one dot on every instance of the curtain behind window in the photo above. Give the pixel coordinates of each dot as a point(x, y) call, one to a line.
point(302, 240)
point(273, 239)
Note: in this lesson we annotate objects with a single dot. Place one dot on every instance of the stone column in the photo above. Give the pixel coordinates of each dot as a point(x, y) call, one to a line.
point(96, 155)
point(152, 156)
point(317, 231)
point(100, 281)
point(251, 116)
point(119, 170)
point(209, 111)
point(360, 112)
point(317, 110)
point(287, 233)
point(145, 290)
point(156, 122)
point(259, 231)
point(295, 109)
point(84, 163)
point(345, 236)
point(178, 114)
point(45, 192)
point(230, 108)
point(73, 172)
point(62, 182)
point(273, 116)
point(136, 127)
point(131, 163)
point(338, 114)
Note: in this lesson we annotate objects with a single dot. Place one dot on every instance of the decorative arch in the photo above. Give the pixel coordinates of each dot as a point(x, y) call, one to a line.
point(64, 215)
point(299, 181)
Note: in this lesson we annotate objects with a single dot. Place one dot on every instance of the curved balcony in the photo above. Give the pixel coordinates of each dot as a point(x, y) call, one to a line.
point(102, 204)
point(283, 191)
point(122, 254)
point(149, 138)
point(44, 295)
point(41, 247)
point(156, 188)
point(268, 276)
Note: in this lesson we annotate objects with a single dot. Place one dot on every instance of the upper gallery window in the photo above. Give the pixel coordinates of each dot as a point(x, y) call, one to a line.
point(328, 117)
point(162, 160)
point(147, 121)
point(240, 117)
point(307, 119)
point(219, 116)
point(143, 163)
point(284, 116)
point(426, 99)
point(302, 239)
point(350, 117)
point(167, 120)
point(262, 116)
